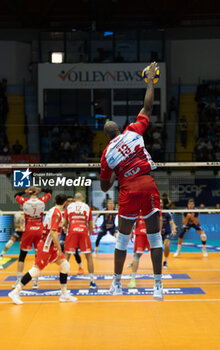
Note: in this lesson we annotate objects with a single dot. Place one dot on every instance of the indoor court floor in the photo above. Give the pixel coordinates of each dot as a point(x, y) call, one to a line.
point(189, 317)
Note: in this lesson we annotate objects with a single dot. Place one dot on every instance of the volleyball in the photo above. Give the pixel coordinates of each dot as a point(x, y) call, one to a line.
point(156, 78)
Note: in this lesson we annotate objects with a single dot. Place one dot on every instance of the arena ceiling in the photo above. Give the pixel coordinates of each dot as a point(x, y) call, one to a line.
point(105, 14)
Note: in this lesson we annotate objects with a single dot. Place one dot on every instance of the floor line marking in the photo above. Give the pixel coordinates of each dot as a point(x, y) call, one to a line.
point(114, 301)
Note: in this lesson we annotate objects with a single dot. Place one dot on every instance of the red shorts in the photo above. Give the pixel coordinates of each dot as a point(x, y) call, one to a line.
point(31, 236)
point(139, 194)
point(45, 258)
point(141, 243)
point(77, 240)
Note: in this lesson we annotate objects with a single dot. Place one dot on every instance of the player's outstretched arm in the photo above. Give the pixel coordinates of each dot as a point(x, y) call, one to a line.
point(149, 96)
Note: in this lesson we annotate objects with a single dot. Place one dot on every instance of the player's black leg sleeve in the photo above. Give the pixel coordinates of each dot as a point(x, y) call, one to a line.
point(22, 255)
point(26, 278)
point(100, 235)
point(63, 278)
point(77, 256)
point(182, 233)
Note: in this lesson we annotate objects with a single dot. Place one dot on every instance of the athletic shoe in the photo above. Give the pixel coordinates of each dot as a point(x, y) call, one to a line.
point(35, 283)
point(205, 254)
point(15, 297)
point(80, 271)
point(65, 297)
point(93, 285)
point(165, 266)
point(130, 266)
point(115, 288)
point(158, 292)
point(16, 282)
point(1, 267)
point(176, 254)
point(132, 284)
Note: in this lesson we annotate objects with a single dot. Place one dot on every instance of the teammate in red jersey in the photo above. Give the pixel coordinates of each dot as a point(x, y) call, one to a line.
point(33, 212)
point(49, 251)
point(62, 237)
point(78, 216)
point(140, 244)
point(127, 158)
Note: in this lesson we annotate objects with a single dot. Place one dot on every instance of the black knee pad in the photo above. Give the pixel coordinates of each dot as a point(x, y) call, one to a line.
point(22, 255)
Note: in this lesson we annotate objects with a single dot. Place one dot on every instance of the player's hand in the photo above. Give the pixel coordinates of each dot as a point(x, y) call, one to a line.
point(132, 237)
point(151, 72)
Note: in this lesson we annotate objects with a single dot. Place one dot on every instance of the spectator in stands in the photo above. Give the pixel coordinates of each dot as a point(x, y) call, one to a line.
point(65, 135)
point(5, 148)
point(17, 147)
point(183, 131)
point(172, 106)
point(119, 58)
point(202, 206)
point(167, 203)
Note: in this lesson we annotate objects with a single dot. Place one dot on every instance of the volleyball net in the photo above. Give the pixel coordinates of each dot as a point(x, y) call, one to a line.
point(177, 183)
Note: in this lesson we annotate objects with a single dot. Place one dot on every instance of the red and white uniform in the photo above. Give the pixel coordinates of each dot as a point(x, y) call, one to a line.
point(78, 215)
point(131, 162)
point(46, 250)
point(33, 214)
point(141, 240)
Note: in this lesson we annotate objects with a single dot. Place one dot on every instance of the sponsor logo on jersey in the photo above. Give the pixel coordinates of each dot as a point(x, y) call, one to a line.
point(78, 229)
point(131, 172)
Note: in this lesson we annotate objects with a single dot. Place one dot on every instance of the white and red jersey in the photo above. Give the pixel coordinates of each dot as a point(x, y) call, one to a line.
point(78, 215)
point(33, 208)
point(126, 153)
point(53, 221)
point(140, 228)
